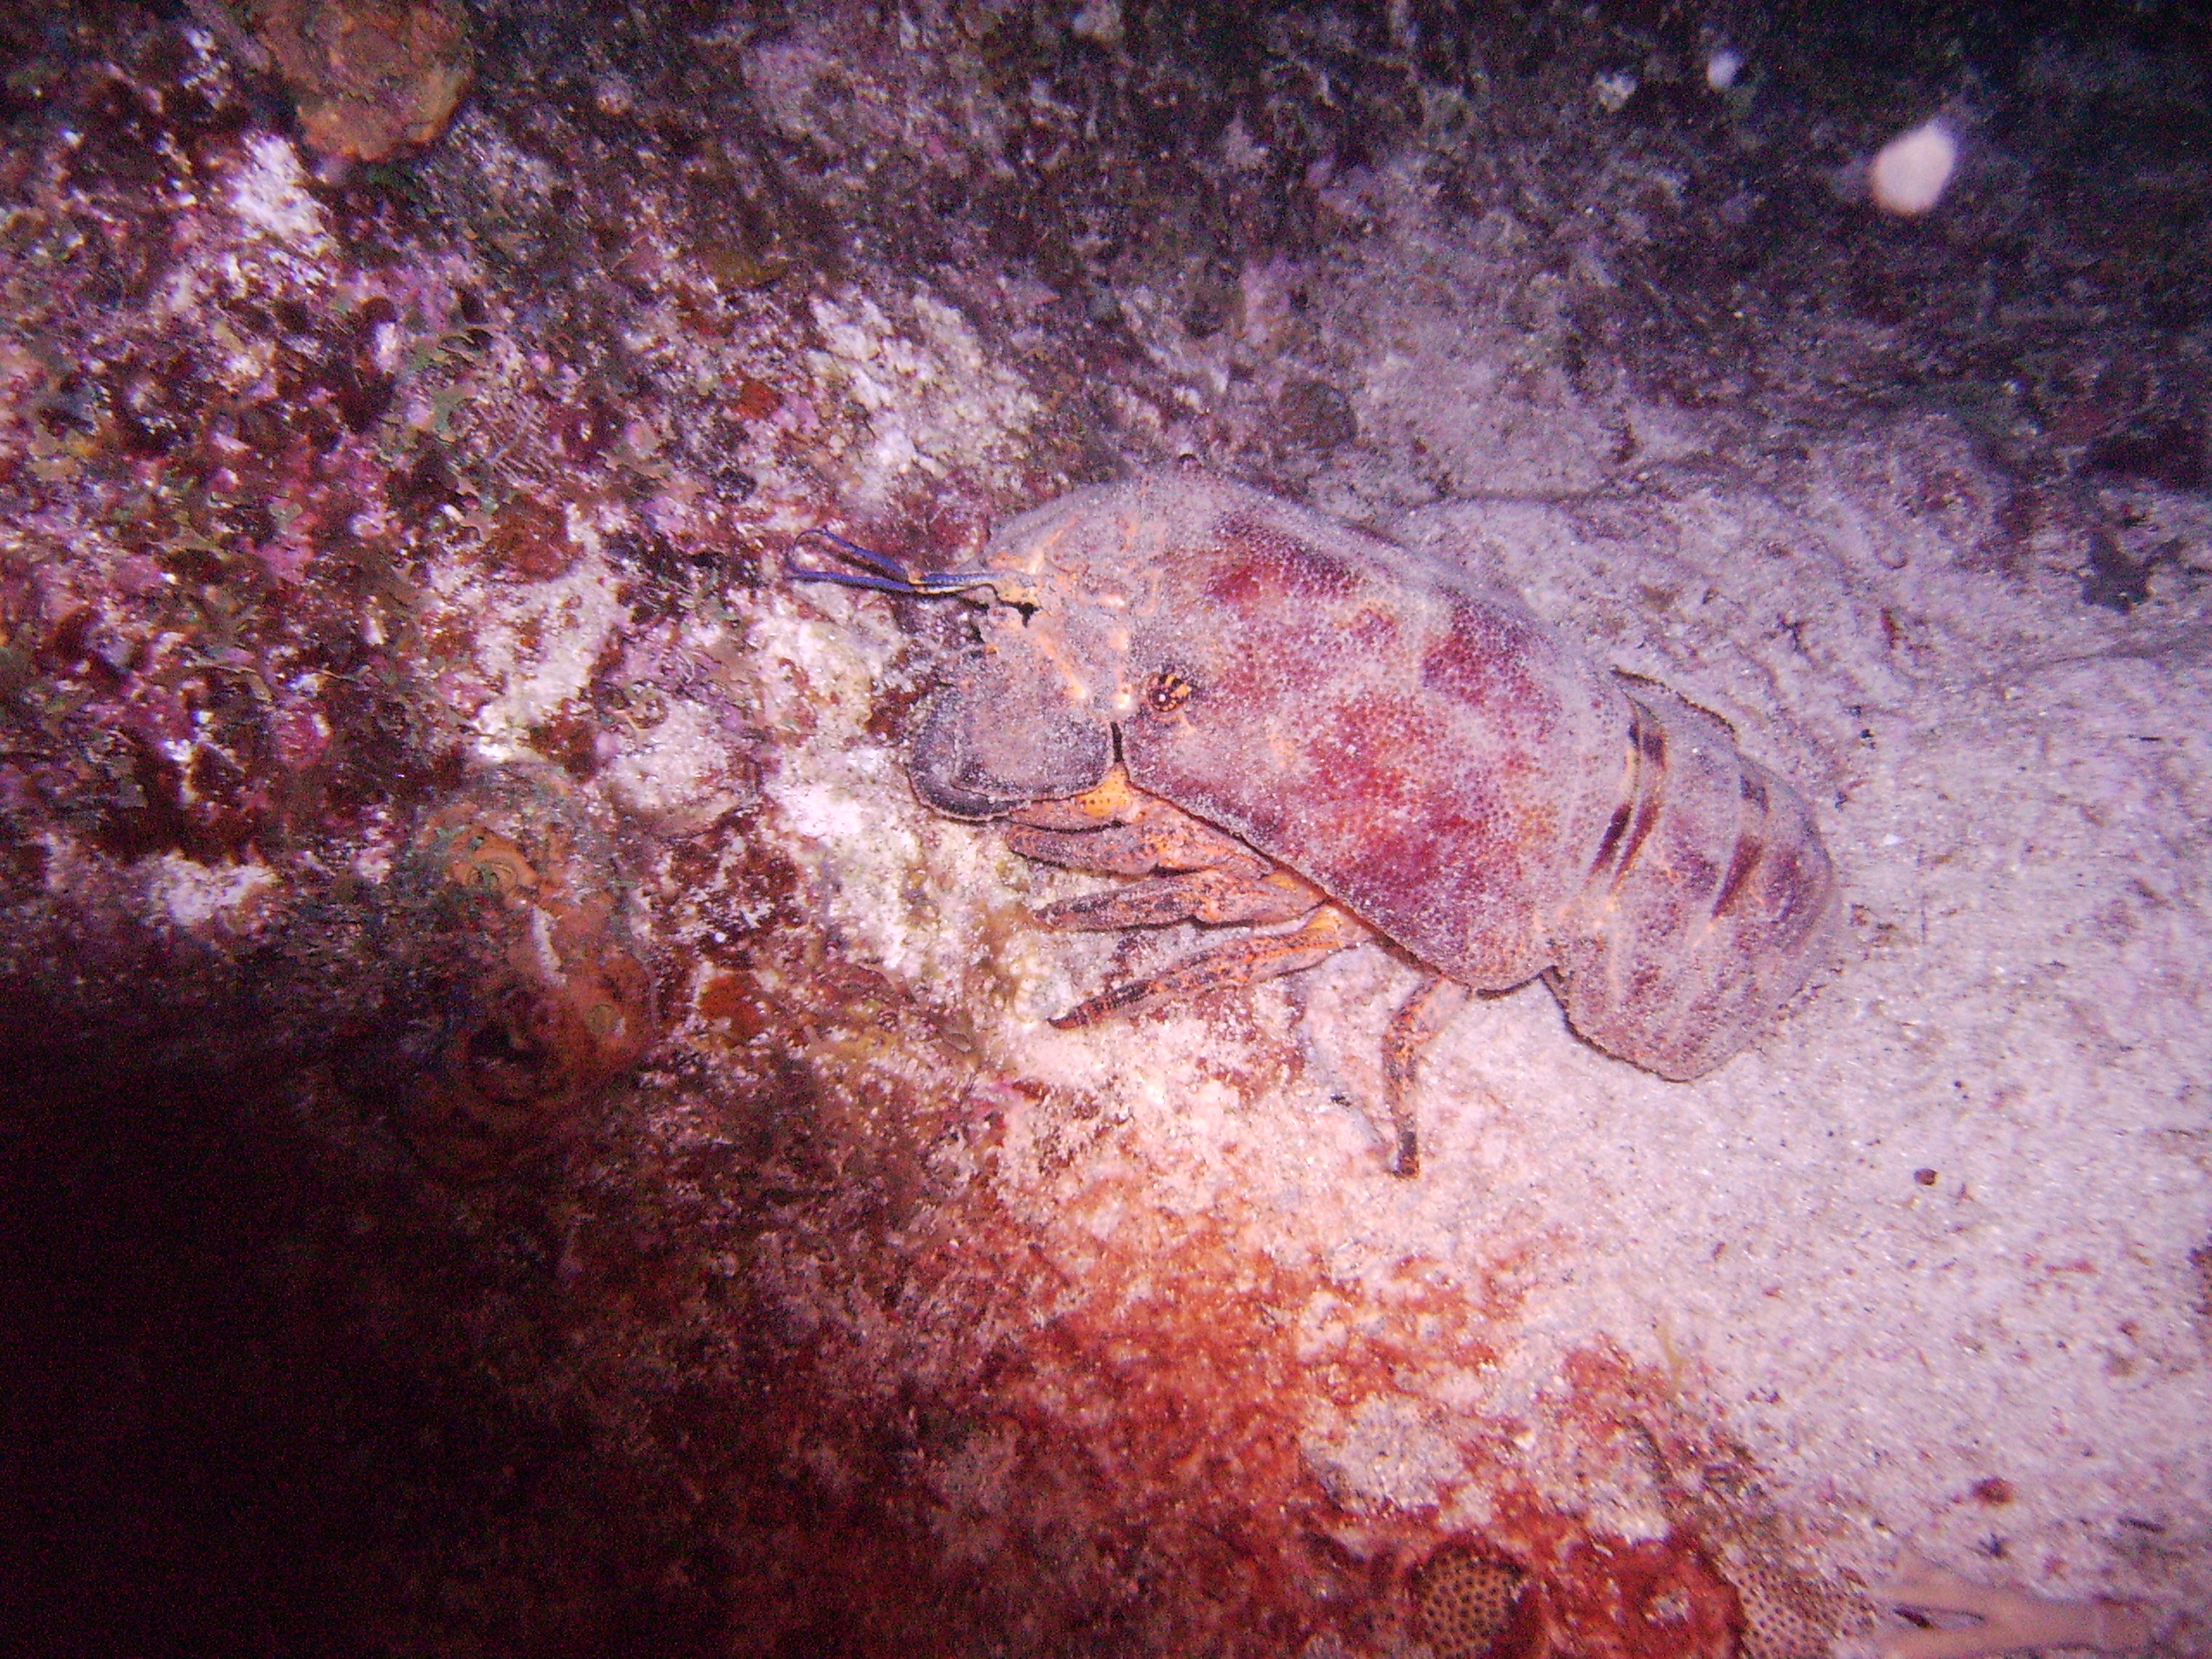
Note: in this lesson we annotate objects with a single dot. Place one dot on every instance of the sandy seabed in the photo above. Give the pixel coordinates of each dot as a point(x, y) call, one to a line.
point(1933, 1253)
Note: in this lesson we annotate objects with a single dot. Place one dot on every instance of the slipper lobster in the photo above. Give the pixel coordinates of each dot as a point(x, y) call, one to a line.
point(1268, 718)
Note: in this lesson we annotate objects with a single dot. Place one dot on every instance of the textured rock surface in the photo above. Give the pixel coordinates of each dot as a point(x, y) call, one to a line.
point(370, 79)
point(406, 723)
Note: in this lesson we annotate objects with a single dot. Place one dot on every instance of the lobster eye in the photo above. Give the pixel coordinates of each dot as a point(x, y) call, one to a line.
point(1168, 690)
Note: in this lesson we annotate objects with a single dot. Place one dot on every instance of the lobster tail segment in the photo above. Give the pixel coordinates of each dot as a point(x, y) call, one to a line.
point(1709, 902)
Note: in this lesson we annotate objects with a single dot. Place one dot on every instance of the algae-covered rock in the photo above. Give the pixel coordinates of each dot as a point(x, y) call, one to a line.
point(370, 78)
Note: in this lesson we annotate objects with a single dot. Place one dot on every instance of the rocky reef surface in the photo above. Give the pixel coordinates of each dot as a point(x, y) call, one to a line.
point(521, 1135)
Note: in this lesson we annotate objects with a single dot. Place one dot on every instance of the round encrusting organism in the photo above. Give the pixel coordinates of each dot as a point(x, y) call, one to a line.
point(542, 995)
point(1273, 718)
point(1463, 1601)
point(1775, 1625)
point(1782, 1612)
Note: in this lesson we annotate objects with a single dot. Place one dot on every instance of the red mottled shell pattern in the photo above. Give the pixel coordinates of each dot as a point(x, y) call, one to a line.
point(1405, 734)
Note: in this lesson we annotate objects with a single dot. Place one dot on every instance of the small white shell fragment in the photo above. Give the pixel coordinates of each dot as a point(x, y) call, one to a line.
point(1614, 92)
point(1911, 172)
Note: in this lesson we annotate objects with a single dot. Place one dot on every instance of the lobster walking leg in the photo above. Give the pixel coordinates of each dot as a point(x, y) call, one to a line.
point(1214, 897)
point(1418, 1020)
point(1239, 962)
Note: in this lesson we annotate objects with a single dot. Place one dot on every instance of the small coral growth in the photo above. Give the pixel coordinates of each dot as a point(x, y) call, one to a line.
point(1463, 1601)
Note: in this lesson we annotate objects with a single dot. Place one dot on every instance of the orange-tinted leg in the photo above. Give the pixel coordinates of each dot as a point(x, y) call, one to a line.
point(1114, 799)
point(1114, 829)
point(1240, 962)
point(1213, 877)
point(1215, 896)
point(1156, 837)
point(1418, 1019)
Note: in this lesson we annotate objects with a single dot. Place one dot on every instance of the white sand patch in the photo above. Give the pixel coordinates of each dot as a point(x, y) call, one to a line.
point(675, 774)
point(269, 193)
point(192, 894)
point(933, 399)
point(1937, 1228)
point(537, 643)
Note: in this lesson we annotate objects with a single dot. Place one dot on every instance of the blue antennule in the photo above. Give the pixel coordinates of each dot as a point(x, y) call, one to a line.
point(887, 577)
